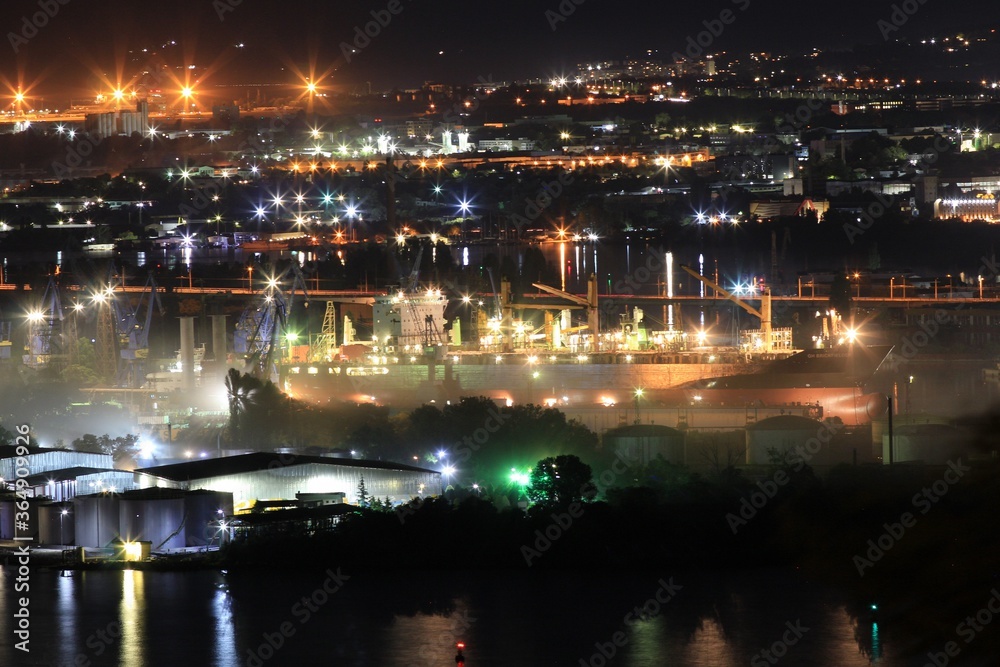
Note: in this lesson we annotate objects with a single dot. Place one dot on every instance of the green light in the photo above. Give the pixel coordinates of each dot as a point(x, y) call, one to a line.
point(291, 336)
point(519, 478)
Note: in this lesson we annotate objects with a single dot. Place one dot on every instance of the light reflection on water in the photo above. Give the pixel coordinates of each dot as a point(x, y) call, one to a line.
point(133, 615)
point(414, 620)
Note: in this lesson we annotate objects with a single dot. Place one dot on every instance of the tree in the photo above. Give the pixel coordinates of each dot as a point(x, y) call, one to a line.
point(559, 480)
point(364, 500)
point(120, 448)
point(239, 387)
point(84, 371)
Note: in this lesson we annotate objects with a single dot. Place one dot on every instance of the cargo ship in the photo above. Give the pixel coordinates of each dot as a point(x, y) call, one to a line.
point(837, 380)
point(410, 359)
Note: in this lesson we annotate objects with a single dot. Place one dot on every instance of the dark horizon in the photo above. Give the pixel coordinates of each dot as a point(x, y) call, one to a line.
point(451, 41)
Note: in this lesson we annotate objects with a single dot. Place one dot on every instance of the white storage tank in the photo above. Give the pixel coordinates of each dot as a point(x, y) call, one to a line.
point(782, 433)
point(97, 519)
point(642, 443)
point(933, 444)
point(56, 524)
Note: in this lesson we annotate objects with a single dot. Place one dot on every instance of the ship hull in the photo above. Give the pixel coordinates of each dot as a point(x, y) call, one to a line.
point(832, 381)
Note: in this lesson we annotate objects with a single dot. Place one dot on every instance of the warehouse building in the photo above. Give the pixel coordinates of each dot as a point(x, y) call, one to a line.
point(269, 476)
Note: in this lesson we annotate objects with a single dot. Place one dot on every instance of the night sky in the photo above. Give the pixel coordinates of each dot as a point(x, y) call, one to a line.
point(445, 40)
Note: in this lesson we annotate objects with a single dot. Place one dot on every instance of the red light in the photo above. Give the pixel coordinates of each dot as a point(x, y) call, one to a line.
point(460, 645)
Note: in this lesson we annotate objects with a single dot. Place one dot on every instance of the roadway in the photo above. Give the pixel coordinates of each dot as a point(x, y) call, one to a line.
point(542, 299)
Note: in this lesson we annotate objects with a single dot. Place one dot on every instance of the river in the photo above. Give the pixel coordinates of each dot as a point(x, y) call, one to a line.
point(507, 619)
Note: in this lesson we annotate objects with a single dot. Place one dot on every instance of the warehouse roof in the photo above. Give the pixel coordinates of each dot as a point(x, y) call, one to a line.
point(257, 461)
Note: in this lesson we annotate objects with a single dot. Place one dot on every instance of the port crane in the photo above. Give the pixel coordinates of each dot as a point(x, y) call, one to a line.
point(132, 325)
point(42, 345)
point(588, 303)
point(260, 327)
point(764, 314)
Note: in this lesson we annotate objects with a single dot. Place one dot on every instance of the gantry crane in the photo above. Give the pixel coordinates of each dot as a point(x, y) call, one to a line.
point(42, 345)
point(259, 329)
point(132, 328)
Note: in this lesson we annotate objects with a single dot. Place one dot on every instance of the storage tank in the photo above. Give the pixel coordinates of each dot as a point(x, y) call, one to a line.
point(55, 524)
point(641, 443)
point(204, 509)
point(97, 519)
point(782, 433)
point(8, 510)
point(934, 444)
point(173, 518)
point(154, 515)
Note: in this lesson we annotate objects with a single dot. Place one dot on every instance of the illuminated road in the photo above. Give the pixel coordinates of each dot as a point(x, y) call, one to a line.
point(362, 296)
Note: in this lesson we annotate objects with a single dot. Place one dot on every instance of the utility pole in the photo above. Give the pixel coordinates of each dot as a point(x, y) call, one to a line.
point(891, 442)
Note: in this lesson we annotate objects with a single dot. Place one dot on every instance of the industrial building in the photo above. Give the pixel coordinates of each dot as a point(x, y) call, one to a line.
point(113, 123)
point(166, 518)
point(269, 476)
point(53, 472)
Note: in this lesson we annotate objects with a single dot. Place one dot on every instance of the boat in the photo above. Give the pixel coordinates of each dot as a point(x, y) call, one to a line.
point(264, 245)
point(836, 380)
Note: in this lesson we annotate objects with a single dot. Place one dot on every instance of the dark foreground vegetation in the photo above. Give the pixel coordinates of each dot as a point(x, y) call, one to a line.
point(915, 548)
